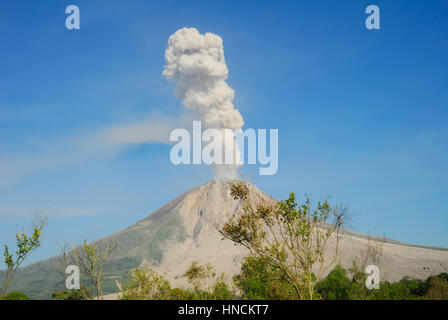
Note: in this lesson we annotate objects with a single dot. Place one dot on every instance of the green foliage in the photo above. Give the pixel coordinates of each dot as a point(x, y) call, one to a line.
point(16, 296)
point(182, 294)
point(90, 258)
point(218, 291)
point(26, 244)
point(402, 290)
point(259, 281)
point(437, 287)
point(147, 285)
point(206, 285)
point(67, 295)
point(358, 290)
point(221, 291)
point(289, 237)
point(197, 272)
point(336, 286)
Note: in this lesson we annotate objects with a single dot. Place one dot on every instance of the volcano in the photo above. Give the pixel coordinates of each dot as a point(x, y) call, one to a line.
point(186, 230)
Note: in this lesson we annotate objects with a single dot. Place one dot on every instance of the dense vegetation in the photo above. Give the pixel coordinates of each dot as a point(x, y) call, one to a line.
point(257, 281)
point(15, 295)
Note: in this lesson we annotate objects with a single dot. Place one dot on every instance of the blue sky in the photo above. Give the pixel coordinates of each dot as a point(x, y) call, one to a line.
point(361, 113)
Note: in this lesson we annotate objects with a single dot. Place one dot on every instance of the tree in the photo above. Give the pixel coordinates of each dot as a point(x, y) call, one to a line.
point(372, 254)
point(259, 281)
point(16, 296)
point(90, 259)
point(147, 285)
point(288, 237)
point(206, 284)
point(336, 286)
point(341, 220)
point(67, 295)
point(150, 285)
point(437, 287)
point(26, 244)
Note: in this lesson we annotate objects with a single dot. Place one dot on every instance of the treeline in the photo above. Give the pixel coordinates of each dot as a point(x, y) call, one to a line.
point(257, 281)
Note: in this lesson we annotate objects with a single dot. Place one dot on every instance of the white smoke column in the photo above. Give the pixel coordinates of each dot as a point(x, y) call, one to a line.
point(197, 62)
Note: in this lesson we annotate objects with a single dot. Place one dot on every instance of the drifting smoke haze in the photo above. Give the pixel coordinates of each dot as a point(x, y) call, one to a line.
point(196, 61)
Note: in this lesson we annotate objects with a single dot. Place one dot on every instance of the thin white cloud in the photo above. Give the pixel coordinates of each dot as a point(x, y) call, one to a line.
point(66, 151)
point(54, 212)
point(153, 129)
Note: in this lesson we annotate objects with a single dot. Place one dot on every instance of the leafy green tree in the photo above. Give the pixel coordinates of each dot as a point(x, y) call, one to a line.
point(26, 244)
point(433, 288)
point(289, 237)
point(150, 285)
point(336, 286)
point(147, 285)
point(196, 272)
point(221, 290)
point(259, 281)
point(437, 287)
point(206, 285)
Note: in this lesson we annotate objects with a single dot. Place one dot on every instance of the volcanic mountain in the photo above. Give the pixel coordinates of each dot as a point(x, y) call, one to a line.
point(185, 230)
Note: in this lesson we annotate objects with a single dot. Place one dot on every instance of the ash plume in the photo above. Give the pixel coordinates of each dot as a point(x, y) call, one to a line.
point(196, 61)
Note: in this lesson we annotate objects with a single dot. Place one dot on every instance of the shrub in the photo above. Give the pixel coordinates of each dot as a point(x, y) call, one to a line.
point(336, 286)
point(16, 296)
point(147, 285)
point(438, 287)
point(67, 295)
point(259, 281)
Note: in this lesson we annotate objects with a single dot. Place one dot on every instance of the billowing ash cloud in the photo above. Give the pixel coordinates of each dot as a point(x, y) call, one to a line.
point(196, 61)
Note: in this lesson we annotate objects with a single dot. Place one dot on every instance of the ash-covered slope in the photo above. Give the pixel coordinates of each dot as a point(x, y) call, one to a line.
point(185, 230)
